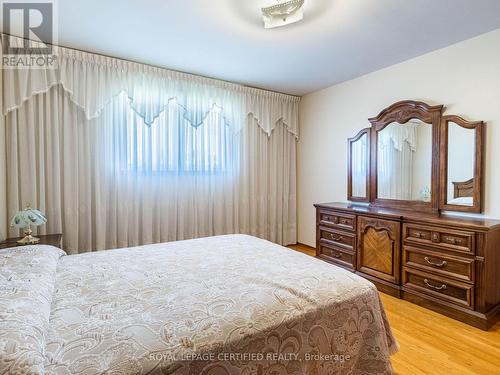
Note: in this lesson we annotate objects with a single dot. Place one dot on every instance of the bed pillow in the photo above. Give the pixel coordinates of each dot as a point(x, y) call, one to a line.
point(27, 281)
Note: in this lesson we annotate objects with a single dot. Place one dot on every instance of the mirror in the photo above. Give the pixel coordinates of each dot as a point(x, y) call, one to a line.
point(461, 157)
point(462, 143)
point(414, 158)
point(404, 161)
point(359, 158)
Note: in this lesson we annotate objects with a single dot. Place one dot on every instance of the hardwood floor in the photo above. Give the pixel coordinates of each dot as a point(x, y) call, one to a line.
point(304, 249)
point(431, 343)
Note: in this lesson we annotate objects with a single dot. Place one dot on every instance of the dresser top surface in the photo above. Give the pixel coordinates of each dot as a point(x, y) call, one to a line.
point(475, 223)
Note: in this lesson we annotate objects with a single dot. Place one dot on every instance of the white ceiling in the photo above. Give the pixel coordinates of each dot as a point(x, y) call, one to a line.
point(338, 39)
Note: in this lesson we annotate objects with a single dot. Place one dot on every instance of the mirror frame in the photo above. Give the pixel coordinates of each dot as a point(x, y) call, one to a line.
point(350, 142)
point(402, 112)
point(478, 182)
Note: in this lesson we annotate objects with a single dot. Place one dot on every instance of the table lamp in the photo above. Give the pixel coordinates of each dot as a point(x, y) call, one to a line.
point(25, 219)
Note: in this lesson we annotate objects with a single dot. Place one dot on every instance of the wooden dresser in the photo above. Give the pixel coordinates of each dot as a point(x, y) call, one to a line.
point(447, 263)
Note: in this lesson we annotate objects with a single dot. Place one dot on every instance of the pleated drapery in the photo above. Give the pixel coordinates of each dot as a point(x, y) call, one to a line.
point(397, 145)
point(93, 80)
point(121, 154)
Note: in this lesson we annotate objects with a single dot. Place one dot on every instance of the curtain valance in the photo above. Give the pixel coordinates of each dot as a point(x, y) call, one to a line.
point(92, 81)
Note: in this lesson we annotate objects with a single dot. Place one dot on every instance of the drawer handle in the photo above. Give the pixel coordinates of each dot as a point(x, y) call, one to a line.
point(417, 234)
point(337, 255)
point(442, 287)
point(442, 264)
point(336, 238)
point(343, 221)
point(330, 219)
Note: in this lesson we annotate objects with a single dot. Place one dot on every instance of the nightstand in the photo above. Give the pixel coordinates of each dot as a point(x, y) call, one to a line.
point(47, 239)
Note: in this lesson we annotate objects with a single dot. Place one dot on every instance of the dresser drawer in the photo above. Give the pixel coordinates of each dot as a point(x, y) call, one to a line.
point(337, 255)
point(337, 220)
point(446, 289)
point(443, 264)
point(449, 239)
point(334, 237)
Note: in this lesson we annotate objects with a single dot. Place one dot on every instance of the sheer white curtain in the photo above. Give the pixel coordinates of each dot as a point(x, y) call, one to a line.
point(139, 167)
point(396, 150)
point(114, 181)
point(3, 169)
point(359, 155)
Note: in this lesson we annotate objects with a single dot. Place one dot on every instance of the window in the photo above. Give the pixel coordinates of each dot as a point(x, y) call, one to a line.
point(173, 145)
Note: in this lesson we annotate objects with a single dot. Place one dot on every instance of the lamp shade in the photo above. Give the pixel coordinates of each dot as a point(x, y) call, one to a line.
point(29, 216)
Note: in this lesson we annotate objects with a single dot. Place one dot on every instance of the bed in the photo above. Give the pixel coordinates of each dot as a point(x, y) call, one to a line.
point(463, 192)
point(220, 305)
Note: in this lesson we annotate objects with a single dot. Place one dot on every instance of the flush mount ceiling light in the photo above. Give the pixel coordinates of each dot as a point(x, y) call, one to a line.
point(283, 13)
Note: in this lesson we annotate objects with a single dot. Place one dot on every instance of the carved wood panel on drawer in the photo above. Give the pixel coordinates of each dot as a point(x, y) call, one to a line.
point(379, 248)
point(444, 238)
point(337, 220)
point(440, 263)
point(337, 255)
point(456, 292)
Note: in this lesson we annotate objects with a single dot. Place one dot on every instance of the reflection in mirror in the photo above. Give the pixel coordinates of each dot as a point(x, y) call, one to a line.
point(461, 157)
point(404, 161)
point(359, 162)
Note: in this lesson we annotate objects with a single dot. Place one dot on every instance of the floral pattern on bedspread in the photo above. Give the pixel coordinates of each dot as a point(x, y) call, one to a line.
point(206, 306)
point(27, 277)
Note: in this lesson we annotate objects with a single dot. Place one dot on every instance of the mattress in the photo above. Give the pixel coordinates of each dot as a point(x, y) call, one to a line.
point(219, 305)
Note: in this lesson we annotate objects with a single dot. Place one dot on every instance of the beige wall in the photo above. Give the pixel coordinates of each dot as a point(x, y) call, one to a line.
point(464, 77)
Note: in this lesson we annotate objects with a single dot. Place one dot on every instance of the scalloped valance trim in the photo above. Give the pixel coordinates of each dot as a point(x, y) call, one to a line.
point(156, 116)
point(92, 81)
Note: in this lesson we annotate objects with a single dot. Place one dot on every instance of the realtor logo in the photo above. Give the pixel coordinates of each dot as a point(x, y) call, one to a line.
point(33, 23)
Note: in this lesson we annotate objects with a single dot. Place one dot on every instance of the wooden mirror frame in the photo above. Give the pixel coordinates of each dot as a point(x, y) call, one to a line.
point(350, 142)
point(477, 182)
point(402, 112)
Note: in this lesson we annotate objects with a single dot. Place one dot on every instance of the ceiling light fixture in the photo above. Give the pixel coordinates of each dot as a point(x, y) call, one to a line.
point(283, 13)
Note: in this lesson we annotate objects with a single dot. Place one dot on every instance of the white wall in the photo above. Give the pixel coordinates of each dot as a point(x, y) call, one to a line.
point(464, 77)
